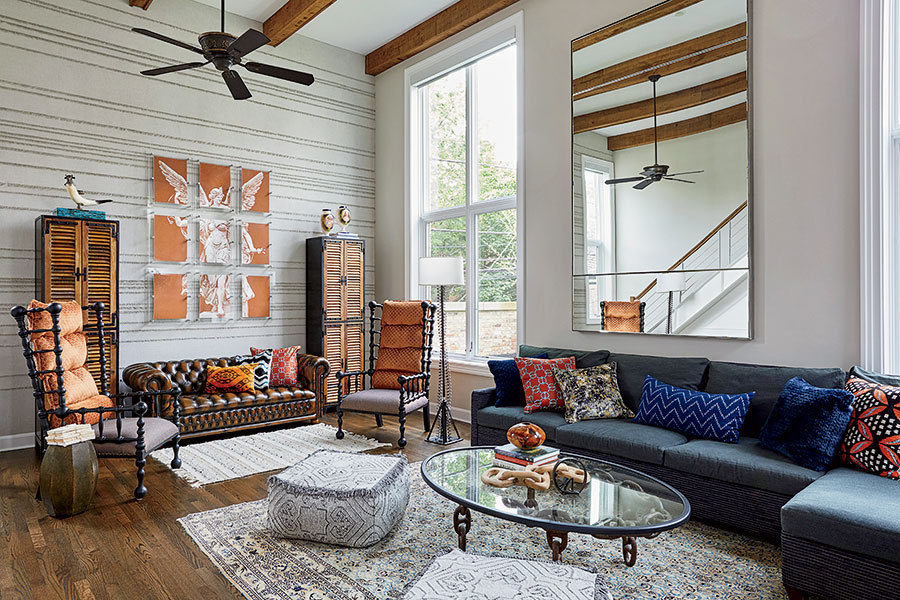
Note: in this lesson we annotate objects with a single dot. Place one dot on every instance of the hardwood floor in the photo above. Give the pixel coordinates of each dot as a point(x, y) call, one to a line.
point(121, 548)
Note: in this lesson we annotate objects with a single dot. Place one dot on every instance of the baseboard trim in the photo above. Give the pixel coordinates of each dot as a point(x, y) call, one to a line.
point(464, 415)
point(16, 441)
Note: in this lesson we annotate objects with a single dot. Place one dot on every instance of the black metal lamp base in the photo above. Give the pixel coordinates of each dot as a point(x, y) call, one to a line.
point(440, 428)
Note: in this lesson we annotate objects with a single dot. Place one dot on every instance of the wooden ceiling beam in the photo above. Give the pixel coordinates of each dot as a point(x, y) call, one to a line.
point(714, 120)
point(288, 19)
point(448, 22)
point(669, 103)
point(641, 18)
point(673, 59)
point(145, 4)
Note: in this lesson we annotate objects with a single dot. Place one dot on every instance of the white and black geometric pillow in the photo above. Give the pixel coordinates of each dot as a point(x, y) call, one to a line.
point(263, 362)
point(872, 441)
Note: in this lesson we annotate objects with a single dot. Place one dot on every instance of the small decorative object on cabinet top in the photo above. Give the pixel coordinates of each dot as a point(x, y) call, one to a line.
point(327, 221)
point(344, 219)
point(526, 436)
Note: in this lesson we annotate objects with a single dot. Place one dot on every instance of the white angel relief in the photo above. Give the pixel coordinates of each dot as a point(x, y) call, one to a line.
point(247, 294)
point(248, 249)
point(178, 183)
point(249, 191)
point(217, 198)
point(215, 241)
point(179, 222)
point(215, 292)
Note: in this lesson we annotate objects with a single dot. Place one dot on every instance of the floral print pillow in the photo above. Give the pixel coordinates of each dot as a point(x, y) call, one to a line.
point(591, 393)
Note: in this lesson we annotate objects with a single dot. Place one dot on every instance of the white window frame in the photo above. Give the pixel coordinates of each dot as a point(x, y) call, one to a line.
point(467, 51)
point(597, 165)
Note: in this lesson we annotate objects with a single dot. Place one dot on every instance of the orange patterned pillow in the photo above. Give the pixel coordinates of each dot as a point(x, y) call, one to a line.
point(70, 319)
point(236, 379)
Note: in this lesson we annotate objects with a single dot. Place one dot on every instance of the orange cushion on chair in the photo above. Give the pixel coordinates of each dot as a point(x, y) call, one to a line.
point(90, 418)
point(74, 351)
point(407, 312)
point(236, 379)
point(71, 318)
point(79, 385)
point(400, 344)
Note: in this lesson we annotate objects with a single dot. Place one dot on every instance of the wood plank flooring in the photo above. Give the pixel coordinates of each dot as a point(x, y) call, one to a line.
point(121, 548)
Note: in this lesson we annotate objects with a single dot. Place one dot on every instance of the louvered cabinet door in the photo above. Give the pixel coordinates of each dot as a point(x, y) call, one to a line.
point(332, 351)
point(61, 254)
point(333, 276)
point(353, 346)
point(99, 258)
point(353, 279)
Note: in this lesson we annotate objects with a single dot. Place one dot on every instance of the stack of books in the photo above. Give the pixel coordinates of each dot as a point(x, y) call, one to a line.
point(510, 457)
point(70, 434)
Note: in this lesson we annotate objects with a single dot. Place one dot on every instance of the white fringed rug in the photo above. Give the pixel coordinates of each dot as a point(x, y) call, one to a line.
point(239, 456)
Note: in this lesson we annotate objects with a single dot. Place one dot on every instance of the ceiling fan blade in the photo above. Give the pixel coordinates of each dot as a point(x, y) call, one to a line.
point(281, 73)
point(166, 39)
point(236, 85)
point(622, 180)
point(644, 183)
point(684, 173)
point(173, 68)
point(681, 180)
point(248, 42)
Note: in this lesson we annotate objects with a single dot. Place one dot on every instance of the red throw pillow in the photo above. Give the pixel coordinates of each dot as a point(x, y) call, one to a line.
point(284, 366)
point(541, 392)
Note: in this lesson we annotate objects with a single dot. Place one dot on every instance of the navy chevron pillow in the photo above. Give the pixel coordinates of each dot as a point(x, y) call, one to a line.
point(697, 414)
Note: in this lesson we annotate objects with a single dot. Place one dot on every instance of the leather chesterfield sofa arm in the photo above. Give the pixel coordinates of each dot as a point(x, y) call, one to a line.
point(145, 377)
point(312, 371)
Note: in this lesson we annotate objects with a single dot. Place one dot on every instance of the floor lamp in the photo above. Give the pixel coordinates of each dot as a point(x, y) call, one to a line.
point(442, 271)
point(671, 282)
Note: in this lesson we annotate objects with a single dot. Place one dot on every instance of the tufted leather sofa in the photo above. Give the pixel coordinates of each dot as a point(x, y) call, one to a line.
point(206, 414)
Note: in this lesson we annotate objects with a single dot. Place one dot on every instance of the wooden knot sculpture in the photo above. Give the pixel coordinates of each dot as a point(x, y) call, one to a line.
point(535, 478)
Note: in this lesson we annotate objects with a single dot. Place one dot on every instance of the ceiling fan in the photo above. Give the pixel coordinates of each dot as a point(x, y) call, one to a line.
point(226, 51)
point(655, 172)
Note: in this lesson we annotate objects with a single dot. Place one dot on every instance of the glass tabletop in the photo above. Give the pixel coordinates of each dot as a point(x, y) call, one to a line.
point(616, 500)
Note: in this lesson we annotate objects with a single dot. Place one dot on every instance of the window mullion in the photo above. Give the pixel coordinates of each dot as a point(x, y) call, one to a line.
point(471, 198)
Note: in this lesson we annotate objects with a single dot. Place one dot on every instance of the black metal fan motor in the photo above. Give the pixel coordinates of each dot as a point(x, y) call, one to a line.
point(225, 51)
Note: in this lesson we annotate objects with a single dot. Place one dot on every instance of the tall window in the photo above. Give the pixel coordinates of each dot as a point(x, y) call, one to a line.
point(466, 196)
point(599, 233)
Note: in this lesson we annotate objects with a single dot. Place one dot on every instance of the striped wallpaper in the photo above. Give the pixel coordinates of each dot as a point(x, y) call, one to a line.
point(72, 101)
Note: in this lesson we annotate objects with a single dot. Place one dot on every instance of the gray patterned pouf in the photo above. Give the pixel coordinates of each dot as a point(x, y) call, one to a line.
point(464, 576)
point(339, 498)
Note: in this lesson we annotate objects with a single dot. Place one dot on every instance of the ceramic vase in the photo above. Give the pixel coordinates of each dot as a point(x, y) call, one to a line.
point(327, 221)
point(526, 436)
point(344, 218)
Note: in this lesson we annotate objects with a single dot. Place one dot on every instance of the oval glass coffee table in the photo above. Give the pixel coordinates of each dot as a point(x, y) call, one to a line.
point(616, 502)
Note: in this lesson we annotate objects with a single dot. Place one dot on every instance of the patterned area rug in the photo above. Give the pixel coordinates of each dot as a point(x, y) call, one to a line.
point(230, 458)
point(694, 562)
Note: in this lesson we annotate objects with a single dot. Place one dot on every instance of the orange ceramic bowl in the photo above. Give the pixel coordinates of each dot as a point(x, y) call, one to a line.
point(526, 436)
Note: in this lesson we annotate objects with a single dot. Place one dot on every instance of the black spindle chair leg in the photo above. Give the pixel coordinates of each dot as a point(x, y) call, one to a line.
point(378, 420)
point(402, 441)
point(139, 459)
point(340, 415)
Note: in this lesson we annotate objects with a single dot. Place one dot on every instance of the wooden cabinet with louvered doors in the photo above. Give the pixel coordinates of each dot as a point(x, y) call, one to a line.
point(78, 259)
point(335, 305)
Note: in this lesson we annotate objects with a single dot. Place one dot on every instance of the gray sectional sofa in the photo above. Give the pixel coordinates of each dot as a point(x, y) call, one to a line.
point(839, 530)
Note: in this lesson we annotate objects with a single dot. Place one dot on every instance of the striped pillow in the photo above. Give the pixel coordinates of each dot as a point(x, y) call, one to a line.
point(263, 362)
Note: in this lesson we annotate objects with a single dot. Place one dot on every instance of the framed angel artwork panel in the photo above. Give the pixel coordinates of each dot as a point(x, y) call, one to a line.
point(215, 241)
point(256, 296)
point(215, 296)
point(170, 184)
point(254, 243)
point(170, 296)
point(170, 238)
point(214, 182)
point(255, 191)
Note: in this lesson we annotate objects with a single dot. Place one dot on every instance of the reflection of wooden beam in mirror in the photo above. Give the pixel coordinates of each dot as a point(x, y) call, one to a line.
point(713, 120)
point(645, 16)
point(669, 103)
point(288, 19)
point(673, 59)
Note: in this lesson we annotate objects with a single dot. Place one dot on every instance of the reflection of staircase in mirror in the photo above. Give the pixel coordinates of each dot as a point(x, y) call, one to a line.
point(716, 291)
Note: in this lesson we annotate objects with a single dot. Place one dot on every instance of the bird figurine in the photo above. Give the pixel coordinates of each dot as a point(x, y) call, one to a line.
point(77, 197)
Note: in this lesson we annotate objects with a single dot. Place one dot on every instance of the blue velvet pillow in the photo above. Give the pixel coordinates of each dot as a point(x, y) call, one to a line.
point(508, 381)
point(697, 414)
point(808, 423)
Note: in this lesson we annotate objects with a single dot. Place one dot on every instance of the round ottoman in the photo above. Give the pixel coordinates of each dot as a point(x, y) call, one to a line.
point(339, 498)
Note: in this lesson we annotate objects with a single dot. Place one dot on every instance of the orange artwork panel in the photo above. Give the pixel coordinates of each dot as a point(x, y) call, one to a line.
point(170, 238)
point(215, 296)
point(170, 180)
point(255, 191)
point(254, 243)
point(255, 296)
point(215, 186)
point(170, 296)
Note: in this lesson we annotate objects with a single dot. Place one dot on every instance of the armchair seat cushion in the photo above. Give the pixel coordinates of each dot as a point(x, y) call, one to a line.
point(380, 401)
point(157, 432)
point(202, 403)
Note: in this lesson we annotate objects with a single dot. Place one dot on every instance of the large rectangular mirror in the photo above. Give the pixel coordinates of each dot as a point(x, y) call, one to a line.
point(661, 172)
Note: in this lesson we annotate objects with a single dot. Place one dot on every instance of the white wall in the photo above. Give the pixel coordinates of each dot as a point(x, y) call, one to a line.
point(73, 102)
point(805, 133)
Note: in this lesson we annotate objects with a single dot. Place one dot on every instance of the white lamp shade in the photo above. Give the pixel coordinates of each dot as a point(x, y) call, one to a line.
point(441, 270)
point(672, 281)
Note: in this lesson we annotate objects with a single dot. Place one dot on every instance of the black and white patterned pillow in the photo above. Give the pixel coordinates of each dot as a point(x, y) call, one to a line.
point(263, 362)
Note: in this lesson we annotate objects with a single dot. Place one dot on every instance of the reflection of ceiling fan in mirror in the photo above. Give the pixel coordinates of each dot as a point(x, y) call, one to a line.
point(655, 172)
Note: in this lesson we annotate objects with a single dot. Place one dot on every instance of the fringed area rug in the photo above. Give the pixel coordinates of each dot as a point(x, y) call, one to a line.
point(230, 458)
point(694, 562)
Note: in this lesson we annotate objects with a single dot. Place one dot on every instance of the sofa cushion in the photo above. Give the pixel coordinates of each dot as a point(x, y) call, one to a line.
point(767, 382)
point(620, 437)
point(236, 379)
point(508, 382)
point(632, 368)
point(157, 432)
point(871, 441)
point(850, 510)
point(583, 358)
point(541, 391)
point(200, 403)
point(284, 365)
point(591, 393)
point(263, 370)
point(866, 375)
point(745, 463)
point(504, 417)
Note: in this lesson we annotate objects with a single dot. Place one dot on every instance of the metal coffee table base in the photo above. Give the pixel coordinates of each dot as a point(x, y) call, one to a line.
point(557, 540)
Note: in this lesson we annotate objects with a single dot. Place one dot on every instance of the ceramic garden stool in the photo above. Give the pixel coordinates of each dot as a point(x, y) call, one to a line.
point(69, 471)
point(339, 498)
